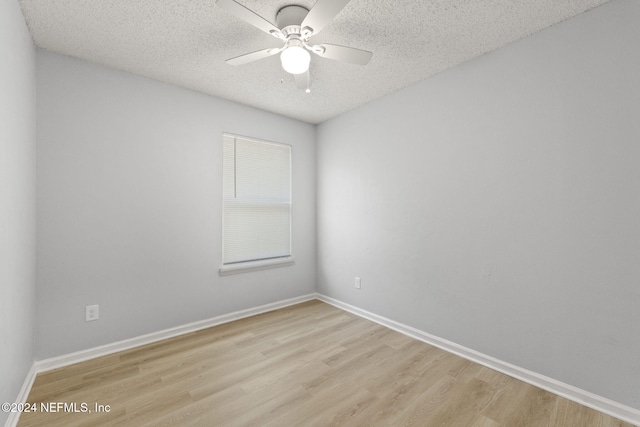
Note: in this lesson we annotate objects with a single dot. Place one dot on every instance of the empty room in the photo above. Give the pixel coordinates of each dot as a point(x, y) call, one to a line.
point(320, 212)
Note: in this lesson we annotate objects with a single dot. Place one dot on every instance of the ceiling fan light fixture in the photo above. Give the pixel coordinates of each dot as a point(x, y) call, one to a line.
point(295, 25)
point(295, 60)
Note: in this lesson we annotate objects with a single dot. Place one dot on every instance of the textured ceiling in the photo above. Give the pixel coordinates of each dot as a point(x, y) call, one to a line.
point(186, 43)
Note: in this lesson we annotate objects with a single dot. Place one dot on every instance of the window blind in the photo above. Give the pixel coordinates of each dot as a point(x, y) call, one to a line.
point(256, 200)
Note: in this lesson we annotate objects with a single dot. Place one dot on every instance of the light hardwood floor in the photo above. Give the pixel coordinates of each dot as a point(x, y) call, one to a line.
point(306, 365)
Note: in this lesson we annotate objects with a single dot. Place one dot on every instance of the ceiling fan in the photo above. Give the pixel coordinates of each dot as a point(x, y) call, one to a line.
point(295, 25)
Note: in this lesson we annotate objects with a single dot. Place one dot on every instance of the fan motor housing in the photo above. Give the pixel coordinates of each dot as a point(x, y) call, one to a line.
point(291, 16)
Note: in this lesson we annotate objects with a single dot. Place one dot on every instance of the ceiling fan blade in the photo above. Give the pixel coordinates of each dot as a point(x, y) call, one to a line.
point(343, 53)
point(250, 17)
point(253, 56)
point(322, 13)
point(303, 80)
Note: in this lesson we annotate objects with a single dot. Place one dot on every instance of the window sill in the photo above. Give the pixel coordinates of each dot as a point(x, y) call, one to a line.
point(245, 267)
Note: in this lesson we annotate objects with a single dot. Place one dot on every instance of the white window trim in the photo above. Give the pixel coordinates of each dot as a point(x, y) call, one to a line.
point(243, 267)
point(248, 266)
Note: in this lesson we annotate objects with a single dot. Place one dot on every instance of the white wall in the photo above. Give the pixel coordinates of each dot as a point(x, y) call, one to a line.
point(129, 206)
point(17, 201)
point(497, 205)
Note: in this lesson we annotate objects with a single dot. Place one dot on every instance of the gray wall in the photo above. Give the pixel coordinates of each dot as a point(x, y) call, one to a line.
point(129, 206)
point(17, 201)
point(497, 205)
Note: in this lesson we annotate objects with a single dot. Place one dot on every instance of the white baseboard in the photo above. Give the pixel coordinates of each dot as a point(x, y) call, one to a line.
point(81, 356)
point(12, 421)
point(583, 397)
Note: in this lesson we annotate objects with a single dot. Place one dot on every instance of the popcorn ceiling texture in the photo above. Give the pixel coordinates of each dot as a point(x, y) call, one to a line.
point(185, 43)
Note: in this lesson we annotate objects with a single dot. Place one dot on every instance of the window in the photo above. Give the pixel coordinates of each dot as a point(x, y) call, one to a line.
point(256, 204)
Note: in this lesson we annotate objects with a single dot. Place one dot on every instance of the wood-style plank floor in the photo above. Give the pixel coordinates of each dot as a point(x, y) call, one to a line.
point(306, 365)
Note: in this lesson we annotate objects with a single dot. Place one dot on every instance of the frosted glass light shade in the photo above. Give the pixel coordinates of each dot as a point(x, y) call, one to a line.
point(295, 60)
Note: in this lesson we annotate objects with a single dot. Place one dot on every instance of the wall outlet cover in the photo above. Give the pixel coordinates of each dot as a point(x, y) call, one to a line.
point(92, 313)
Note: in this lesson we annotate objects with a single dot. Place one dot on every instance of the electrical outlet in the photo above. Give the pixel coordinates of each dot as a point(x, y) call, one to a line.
point(357, 283)
point(92, 313)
